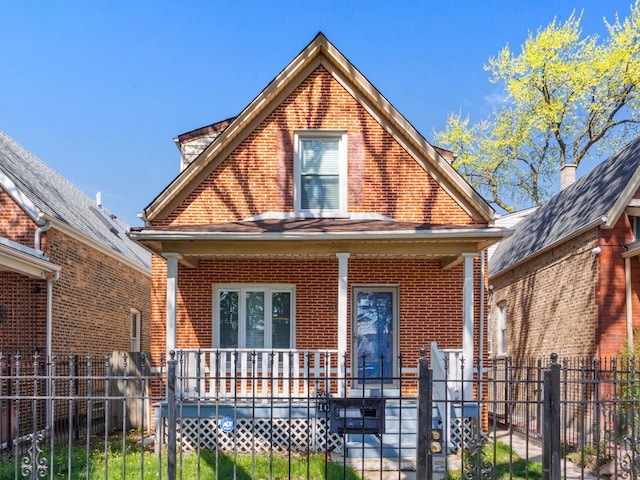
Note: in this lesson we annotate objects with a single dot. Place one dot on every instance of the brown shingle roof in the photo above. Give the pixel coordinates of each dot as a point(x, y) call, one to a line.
point(316, 225)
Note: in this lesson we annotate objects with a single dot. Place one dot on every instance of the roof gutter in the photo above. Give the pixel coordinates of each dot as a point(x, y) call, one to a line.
point(492, 232)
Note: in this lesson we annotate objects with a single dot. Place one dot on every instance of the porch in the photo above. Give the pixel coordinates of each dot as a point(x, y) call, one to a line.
point(303, 401)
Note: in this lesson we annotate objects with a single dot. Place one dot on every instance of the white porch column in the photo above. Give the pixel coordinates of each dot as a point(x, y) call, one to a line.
point(172, 297)
point(343, 310)
point(467, 335)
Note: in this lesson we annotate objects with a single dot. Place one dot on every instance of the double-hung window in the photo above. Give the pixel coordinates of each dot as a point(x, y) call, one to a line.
point(320, 168)
point(254, 316)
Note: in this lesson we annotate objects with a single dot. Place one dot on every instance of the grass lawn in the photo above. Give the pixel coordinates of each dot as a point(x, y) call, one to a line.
point(506, 464)
point(210, 465)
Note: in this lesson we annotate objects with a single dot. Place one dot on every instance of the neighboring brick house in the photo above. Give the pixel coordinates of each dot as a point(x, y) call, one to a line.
point(71, 281)
point(291, 221)
point(568, 280)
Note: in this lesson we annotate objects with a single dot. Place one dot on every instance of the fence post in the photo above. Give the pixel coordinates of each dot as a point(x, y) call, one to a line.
point(551, 426)
point(171, 416)
point(424, 459)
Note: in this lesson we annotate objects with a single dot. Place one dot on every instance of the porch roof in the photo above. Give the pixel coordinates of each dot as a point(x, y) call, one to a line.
point(366, 237)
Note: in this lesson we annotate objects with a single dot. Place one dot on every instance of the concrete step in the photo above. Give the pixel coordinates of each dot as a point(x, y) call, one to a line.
point(386, 445)
point(392, 440)
point(356, 451)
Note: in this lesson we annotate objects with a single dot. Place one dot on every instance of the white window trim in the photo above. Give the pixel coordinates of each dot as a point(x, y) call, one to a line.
point(134, 340)
point(342, 211)
point(241, 288)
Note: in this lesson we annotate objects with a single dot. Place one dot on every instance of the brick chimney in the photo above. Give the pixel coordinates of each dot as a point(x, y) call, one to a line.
point(567, 175)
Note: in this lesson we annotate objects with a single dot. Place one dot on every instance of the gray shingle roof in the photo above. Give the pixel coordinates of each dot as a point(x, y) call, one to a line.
point(590, 201)
point(58, 198)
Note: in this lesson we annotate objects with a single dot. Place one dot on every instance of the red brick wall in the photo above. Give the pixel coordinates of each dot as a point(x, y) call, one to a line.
point(158, 307)
point(14, 223)
point(23, 304)
point(92, 299)
point(257, 177)
point(612, 332)
point(550, 302)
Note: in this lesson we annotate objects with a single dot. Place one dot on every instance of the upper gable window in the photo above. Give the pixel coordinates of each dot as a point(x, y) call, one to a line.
point(320, 168)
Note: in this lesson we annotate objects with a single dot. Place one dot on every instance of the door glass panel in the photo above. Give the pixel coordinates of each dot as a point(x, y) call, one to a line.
point(228, 319)
point(281, 320)
point(255, 319)
point(374, 336)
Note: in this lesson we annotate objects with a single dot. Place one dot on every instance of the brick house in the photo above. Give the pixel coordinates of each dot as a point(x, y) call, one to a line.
point(568, 280)
point(318, 219)
point(71, 281)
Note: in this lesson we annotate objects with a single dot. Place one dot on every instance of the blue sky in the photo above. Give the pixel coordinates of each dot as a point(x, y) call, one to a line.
point(99, 89)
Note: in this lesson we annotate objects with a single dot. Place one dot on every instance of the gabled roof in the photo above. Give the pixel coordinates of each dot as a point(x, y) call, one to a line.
point(595, 200)
point(45, 195)
point(320, 52)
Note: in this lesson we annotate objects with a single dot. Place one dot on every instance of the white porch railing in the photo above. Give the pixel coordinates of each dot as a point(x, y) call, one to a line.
point(447, 371)
point(446, 366)
point(257, 373)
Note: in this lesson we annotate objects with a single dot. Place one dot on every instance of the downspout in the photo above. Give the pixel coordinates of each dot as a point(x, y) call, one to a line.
point(52, 277)
point(49, 341)
point(38, 235)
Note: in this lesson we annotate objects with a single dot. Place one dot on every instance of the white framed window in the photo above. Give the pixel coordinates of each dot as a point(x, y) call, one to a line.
point(254, 316)
point(135, 317)
point(320, 170)
point(501, 329)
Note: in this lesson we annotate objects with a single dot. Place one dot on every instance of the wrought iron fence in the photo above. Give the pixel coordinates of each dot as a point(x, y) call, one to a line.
point(111, 417)
point(62, 416)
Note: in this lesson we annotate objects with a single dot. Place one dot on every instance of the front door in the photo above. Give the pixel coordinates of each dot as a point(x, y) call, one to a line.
point(374, 334)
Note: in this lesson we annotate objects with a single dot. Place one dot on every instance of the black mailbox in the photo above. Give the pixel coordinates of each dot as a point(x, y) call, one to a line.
point(357, 415)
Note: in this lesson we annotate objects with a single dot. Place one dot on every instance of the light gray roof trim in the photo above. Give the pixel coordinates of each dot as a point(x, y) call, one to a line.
point(23, 248)
point(21, 199)
point(470, 233)
point(57, 199)
point(596, 199)
point(25, 260)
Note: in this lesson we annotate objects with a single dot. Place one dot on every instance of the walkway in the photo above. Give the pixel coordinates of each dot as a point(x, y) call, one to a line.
point(525, 450)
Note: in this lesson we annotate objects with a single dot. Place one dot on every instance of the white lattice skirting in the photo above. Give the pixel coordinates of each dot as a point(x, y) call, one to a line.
point(463, 430)
point(259, 435)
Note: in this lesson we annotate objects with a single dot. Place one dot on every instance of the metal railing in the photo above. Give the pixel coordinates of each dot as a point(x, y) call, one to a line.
point(84, 417)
